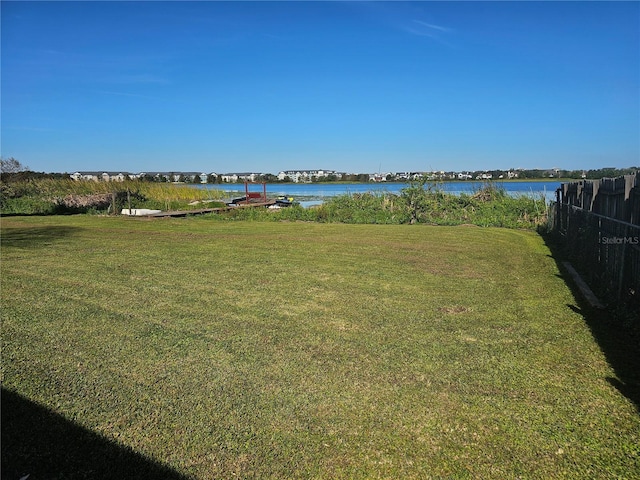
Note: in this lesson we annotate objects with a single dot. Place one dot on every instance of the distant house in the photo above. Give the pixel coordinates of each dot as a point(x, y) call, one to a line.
point(405, 176)
point(173, 176)
point(100, 176)
point(191, 177)
point(304, 176)
point(236, 177)
point(484, 176)
point(378, 177)
point(157, 176)
point(84, 176)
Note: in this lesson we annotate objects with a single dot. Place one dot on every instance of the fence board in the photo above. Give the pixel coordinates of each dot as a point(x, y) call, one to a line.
point(617, 198)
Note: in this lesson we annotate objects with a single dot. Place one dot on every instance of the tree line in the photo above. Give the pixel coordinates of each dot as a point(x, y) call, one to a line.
point(13, 170)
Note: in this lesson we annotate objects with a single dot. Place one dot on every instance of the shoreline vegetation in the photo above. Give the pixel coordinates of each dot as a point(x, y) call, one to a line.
point(419, 202)
point(66, 196)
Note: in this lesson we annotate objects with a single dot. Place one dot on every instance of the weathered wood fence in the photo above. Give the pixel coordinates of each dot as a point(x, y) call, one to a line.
point(617, 198)
point(599, 225)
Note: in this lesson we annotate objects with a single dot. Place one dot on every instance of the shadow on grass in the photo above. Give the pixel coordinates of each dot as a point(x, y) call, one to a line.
point(35, 237)
point(44, 445)
point(619, 342)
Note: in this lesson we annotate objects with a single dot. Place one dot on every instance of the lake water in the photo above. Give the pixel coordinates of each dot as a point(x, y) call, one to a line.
point(314, 193)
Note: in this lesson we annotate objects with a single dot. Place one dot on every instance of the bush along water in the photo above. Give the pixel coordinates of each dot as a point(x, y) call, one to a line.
point(419, 203)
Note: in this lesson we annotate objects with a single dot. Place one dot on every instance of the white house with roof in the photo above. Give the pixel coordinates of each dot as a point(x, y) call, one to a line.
point(378, 177)
point(484, 176)
point(157, 176)
point(304, 176)
point(236, 177)
point(100, 176)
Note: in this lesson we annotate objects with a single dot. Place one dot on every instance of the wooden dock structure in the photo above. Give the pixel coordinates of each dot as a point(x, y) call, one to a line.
point(202, 211)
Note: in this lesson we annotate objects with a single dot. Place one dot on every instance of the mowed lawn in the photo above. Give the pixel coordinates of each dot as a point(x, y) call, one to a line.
point(298, 350)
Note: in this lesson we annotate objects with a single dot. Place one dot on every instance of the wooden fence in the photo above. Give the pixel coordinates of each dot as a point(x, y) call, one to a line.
point(599, 226)
point(617, 198)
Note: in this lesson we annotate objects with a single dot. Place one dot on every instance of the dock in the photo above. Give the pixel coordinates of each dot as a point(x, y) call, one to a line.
point(202, 211)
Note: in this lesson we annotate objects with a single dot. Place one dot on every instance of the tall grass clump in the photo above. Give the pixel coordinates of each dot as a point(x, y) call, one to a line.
point(489, 206)
point(294, 213)
point(361, 208)
point(370, 208)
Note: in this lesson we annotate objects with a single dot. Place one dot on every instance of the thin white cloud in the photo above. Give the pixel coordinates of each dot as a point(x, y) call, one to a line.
point(430, 30)
point(401, 16)
point(434, 27)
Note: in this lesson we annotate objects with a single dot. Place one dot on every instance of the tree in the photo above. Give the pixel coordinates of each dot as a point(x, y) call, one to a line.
point(11, 165)
point(332, 177)
point(418, 197)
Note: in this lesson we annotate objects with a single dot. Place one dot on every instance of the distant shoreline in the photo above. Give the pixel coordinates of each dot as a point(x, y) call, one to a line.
point(369, 182)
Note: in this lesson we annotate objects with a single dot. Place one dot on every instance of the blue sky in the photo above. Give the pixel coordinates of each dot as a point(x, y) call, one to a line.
point(350, 86)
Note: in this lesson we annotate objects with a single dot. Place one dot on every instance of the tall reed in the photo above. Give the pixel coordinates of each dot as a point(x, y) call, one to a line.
point(41, 196)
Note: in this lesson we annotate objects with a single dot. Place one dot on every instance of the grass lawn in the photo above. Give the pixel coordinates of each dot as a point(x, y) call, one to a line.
point(298, 350)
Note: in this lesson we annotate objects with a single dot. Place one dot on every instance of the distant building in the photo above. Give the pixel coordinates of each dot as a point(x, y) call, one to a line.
point(402, 175)
point(244, 177)
point(378, 177)
point(484, 176)
point(192, 177)
point(304, 176)
point(100, 176)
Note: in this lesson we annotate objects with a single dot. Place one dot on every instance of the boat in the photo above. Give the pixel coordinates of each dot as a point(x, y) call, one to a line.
point(284, 201)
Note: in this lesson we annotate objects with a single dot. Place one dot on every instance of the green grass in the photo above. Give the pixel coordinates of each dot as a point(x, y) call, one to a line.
point(304, 350)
